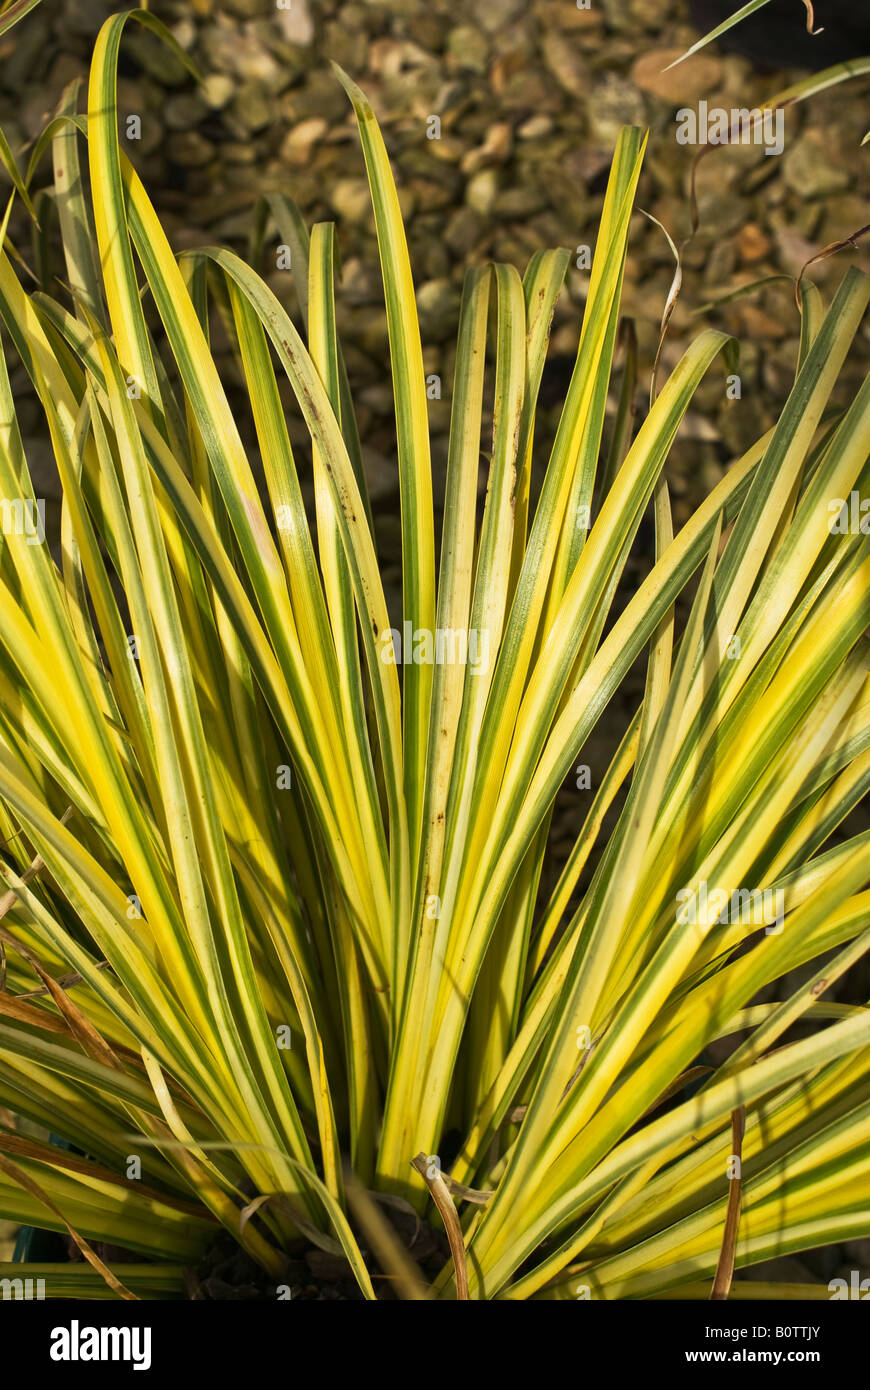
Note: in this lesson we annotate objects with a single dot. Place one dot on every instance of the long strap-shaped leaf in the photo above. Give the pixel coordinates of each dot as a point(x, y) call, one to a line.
point(412, 434)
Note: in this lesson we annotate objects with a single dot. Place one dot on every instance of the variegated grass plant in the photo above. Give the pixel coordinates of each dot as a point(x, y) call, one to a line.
point(273, 922)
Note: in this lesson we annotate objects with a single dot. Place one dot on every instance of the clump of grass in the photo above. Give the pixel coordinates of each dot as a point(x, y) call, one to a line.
point(273, 902)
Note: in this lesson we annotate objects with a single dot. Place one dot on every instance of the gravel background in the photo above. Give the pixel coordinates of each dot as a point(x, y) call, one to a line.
point(530, 98)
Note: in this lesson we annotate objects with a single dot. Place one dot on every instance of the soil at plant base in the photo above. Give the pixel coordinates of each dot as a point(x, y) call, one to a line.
point(227, 1272)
